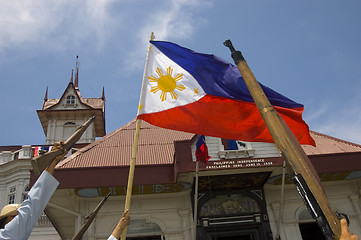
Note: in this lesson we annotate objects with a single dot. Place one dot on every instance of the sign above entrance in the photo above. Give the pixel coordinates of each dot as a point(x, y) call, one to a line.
point(243, 163)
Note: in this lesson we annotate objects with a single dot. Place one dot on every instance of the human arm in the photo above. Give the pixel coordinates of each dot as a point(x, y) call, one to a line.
point(31, 209)
point(345, 234)
point(123, 223)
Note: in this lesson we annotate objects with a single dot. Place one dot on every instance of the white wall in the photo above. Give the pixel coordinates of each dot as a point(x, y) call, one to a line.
point(171, 212)
point(344, 197)
point(57, 130)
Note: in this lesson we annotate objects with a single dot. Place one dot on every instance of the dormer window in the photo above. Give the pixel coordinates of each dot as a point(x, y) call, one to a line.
point(70, 99)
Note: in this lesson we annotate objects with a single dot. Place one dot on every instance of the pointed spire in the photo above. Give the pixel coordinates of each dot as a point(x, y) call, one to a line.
point(77, 73)
point(46, 94)
point(71, 77)
point(103, 95)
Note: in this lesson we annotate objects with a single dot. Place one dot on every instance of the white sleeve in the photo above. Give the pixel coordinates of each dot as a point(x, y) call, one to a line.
point(111, 237)
point(31, 209)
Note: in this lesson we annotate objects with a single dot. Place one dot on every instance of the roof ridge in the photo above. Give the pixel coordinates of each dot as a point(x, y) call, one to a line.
point(336, 139)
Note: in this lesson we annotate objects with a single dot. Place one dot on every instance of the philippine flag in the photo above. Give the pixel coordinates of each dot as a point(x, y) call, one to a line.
point(202, 150)
point(41, 150)
point(206, 95)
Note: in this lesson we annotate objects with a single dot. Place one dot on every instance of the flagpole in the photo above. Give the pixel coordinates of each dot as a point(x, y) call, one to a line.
point(195, 202)
point(135, 148)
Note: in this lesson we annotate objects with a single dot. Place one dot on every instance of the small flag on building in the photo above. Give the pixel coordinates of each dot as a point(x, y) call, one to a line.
point(202, 150)
point(41, 150)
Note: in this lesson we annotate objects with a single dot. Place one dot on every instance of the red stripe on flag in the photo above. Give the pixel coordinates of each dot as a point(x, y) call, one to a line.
point(227, 118)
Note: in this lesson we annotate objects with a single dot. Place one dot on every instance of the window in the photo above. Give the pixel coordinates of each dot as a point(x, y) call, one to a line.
point(140, 229)
point(70, 100)
point(25, 193)
point(11, 199)
point(310, 231)
point(308, 227)
point(229, 148)
point(69, 129)
point(230, 144)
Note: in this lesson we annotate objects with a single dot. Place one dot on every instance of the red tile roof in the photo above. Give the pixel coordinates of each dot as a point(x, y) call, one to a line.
point(110, 156)
point(329, 145)
point(155, 147)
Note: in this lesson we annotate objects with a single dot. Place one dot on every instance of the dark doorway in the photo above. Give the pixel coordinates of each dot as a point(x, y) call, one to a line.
point(311, 231)
point(235, 232)
point(239, 237)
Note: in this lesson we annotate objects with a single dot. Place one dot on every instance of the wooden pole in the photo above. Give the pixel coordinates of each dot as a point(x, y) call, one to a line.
point(195, 202)
point(128, 197)
point(286, 142)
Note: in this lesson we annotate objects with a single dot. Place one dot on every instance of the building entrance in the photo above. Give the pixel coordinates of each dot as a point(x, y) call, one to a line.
point(233, 213)
point(233, 232)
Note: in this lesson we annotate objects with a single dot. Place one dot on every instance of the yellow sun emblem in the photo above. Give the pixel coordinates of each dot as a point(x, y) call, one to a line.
point(166, 83)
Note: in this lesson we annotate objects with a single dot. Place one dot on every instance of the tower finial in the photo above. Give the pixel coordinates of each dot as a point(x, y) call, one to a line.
point(77, 73)
point(46, 94)
point(71, 77)
point(103, 95)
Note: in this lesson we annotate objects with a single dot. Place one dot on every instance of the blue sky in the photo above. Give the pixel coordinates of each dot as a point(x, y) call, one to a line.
point(307, 50)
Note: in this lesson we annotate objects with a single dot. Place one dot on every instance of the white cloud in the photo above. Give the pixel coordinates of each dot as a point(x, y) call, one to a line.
point(33, 25)
point(27, 24)
point(174, 21)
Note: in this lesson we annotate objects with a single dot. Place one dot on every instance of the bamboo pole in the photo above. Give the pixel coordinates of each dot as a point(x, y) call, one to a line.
point(128, 197)
point(286, 142)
